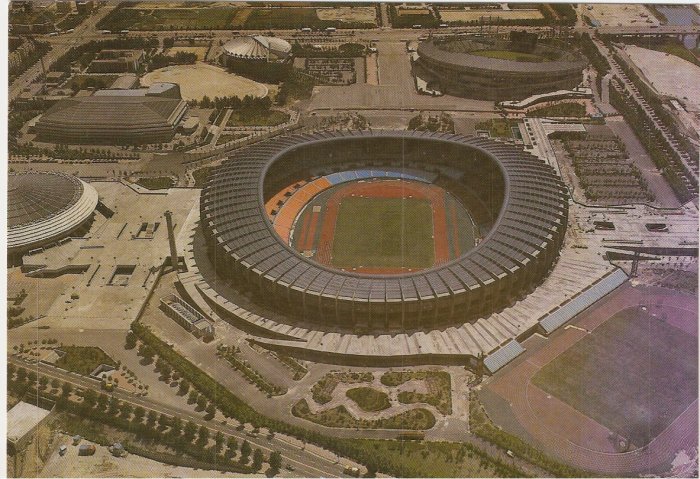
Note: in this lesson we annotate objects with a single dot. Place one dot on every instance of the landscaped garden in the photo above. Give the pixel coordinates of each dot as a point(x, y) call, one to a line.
point(83, 359)
point(156, 183)
point(339, 416)
point(438, 383)
point(322, 391)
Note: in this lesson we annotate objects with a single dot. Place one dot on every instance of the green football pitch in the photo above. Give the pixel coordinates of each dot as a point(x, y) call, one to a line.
point(384, 233)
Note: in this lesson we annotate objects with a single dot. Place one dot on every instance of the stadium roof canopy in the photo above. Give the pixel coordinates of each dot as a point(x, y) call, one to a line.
point(257, 47)
point(530, 225)
point(41, 207)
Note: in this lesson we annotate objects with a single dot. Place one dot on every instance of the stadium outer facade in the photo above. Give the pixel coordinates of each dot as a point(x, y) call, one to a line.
point(529, 203)
point(473, 76)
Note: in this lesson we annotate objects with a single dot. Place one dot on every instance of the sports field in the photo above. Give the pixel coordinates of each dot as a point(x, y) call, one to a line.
point(383, 232)
point(634, 374)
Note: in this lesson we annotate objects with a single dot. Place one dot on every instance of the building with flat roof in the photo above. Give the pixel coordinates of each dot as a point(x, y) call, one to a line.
point(22, 421)
point(117, 61)
point(115, 117)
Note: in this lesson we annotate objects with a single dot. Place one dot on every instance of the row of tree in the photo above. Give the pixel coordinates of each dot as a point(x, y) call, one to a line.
point(184, 437)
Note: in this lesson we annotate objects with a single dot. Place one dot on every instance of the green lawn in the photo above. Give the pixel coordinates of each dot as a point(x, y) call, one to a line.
point(439, 384)
point(384, 232)
point(201, 176)
point(561, 110)
point(369, 399)
point(266, 118)
point(435, 459)
point(680, 51)
point(83, 359)
point(508, 55)
point(499, 127)
point(264, 18)
point(203, 18)
point(157, 183)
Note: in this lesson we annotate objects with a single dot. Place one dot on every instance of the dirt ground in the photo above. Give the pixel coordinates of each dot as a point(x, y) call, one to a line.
point(627, 15)
point(201, 79)
point(103, 464)
point(348, 14)
point(472, 15)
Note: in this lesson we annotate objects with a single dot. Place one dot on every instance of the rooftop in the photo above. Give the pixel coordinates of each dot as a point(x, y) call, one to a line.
point(22, 419)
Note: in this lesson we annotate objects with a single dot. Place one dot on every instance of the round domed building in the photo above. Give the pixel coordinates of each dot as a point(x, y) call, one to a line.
point(497, 70)
point(265, 58)
point(46, 207)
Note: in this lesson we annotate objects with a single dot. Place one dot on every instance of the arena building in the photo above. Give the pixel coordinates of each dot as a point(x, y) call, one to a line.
point(43, 208)
point(115, 117)
point(289, 219)
point(265, 58)
point(490, 69)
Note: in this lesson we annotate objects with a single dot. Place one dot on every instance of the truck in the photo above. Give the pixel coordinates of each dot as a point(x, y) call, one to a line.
point(330, 30)
point(306, 29)
point(86, 450)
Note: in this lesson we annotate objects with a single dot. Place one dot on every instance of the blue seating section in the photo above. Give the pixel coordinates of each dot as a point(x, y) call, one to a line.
point(583, 301)
point(352, 175)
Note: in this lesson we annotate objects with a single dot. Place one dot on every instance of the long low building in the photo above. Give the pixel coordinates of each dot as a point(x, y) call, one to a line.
point(115, 117)
point(492, 70)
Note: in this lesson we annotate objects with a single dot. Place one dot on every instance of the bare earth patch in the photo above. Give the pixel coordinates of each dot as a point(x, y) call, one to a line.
point(201, 79)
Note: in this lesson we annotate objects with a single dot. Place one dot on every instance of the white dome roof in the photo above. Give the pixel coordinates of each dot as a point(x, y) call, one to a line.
point(256, 47)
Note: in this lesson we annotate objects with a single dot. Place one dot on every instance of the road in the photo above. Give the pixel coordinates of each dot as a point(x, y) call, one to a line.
point(59, 45)
point(305, 462)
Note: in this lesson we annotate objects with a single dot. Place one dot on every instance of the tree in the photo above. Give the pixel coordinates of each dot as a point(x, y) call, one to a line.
point(176, 427)
point(146, 352)
point(257, 459)
point(193, 397)
point(89, 398)
point(275, 462)
point(66, 389)
point(232, 446)
point(151, 419)
point(130, 340)
point(218, 441)
point(43, 381)
point(184, 387)
point(211, 410)
point(21, 375)
point(246, 450)
point(102, 401)
point(202, 436)
point(55, 383)
point(125, 410)
point(201, 402)
point(139, 413)
point(165, 371)
point(189, 431)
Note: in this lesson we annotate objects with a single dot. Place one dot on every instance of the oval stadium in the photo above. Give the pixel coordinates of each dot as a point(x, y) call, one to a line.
point(368, 231)
point(495, 70)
